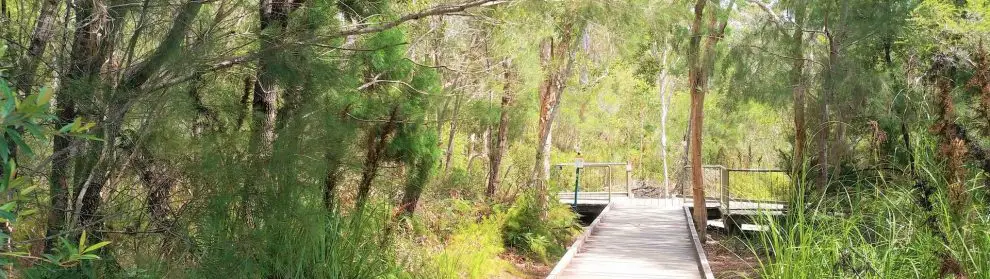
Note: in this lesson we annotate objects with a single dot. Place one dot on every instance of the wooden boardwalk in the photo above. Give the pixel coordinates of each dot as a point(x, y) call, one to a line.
point(636, 238)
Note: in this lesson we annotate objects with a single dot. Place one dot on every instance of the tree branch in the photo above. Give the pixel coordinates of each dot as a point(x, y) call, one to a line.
point(438, 10)
point(773, 16)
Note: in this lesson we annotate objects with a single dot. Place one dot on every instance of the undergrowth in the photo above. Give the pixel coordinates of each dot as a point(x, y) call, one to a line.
point(880, 227)
point(544, 239)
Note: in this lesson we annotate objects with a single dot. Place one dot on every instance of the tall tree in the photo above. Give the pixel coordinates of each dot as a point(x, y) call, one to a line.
point(500, 141)
point(797, 83)
point(84, 65)
point(701, 63)
point(556, 58)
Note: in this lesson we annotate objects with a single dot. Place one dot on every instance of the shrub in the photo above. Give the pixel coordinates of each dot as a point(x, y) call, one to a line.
point(543, 240)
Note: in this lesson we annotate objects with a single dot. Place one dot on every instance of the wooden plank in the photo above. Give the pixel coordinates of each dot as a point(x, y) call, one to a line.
point(635, 239)
point(573, 250)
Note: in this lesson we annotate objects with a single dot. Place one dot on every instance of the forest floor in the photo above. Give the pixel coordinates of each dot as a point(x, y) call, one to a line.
point(524, 267)
point(729, 256)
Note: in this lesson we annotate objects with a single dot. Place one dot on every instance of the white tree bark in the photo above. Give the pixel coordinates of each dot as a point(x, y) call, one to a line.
point(664, 104)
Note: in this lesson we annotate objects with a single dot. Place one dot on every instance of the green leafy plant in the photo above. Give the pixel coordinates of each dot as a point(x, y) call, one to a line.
point(30, 114)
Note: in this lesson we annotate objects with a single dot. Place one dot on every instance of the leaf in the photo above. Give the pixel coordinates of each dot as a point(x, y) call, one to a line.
point(65, 129)
point(16, 138)
point(10, 104)
point(96, 247)
point(7, 215)
point(27, 212)
point(4, 149)
point(35, 130)
point(89, 257)
point(28, 190)
point(82, 241)
point(8, 175)
point(44, 96)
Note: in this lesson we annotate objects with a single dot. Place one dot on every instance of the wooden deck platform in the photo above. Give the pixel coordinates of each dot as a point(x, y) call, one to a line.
point(636, 238)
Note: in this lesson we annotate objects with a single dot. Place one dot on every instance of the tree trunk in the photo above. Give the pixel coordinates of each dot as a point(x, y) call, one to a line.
point(43, 31)
point(265, 108)
point(500, 142)
point(83, 68)
point(450, 137)
point(700, 70)
point(335, 172)
point(556, 58)
point(416, 181)
point(664, 107)
point(824, 129)
point(375, 144)
point(797, 76)
point(88, 200)
point(694, 142)
point(158, 181)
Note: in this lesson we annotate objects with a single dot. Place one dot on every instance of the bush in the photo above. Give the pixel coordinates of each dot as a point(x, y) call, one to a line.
point(471, 252)
point(543, 240)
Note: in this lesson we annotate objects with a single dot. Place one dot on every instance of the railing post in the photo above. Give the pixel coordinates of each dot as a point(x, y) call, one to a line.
point(629, 192)
point(608, 180)
point(725, 190)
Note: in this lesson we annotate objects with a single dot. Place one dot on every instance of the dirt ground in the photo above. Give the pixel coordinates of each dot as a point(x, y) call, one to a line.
point(524, 268)
point(729, 257)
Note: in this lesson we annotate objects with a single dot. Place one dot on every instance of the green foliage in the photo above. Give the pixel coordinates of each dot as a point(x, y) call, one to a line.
point(69, 260)
point(543, 239)
point(472, 251)
point(31, 114)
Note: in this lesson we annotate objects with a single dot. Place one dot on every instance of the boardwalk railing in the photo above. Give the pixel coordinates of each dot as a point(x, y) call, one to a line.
point(742, 185)
point(580, 179)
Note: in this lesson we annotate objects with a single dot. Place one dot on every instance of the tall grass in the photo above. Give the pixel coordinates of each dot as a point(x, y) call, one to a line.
point(876, 228)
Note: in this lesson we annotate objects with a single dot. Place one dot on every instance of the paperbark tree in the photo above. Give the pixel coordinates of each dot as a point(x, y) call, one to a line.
point(664, 108)
point(557, 61)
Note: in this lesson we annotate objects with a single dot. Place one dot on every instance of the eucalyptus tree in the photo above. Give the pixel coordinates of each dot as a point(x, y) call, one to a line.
point(701, 63)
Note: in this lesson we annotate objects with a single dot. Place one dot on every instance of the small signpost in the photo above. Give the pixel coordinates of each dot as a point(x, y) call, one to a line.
point(578, 164)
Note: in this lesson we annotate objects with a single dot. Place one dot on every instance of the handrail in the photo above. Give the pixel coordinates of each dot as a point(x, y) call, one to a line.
point(725, 199)
point(608, 177)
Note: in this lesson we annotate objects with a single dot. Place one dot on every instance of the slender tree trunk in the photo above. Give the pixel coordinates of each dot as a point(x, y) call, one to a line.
point(88, 200)
point(159, 181)
point(700, 70)
point(43, 30)
point(419, 175)
point(453, 131)
point(664, 107)
point(335, 171)
point(83, 67)
point(266, 92)
point(797, 77)
point(824, 129)
point(273, 20)
point(500, 142)
point(375, 145)
point(697, 103)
